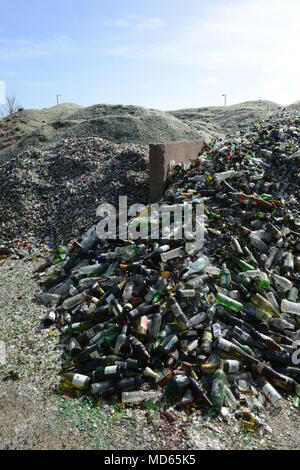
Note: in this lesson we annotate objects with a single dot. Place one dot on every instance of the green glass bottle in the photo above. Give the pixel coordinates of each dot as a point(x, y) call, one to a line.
point(233, 350)
point(74, 380)
point(108, 372)
point(266, 197)
point(110, 328)
point(225, 277)
point(61, 254)
point(207, 338)
point(242, 264)
point(160, 338)
point(88, 353)
point(217, 391)
point(87, 335)
point(229, 303)
point(293, 294)
point(177, 386)
point(243, 347)
point(264, 305)
point(264, 281)
point(76, 327)
point(288, 264)
point(121, 339)
point(139, 348)
point(160, 291)
point(249, 257)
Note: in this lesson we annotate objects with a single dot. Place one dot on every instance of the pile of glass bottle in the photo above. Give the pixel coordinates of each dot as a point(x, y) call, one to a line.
point(211, 327)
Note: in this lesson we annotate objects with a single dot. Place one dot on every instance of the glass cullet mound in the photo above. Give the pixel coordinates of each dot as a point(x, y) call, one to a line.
point(164, 320)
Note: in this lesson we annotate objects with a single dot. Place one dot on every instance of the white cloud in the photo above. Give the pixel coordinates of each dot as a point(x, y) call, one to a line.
point(254, 41)
point(2, 92)
point(137, 23)
point(253, 34)
point(207, 81)
point(25, 48)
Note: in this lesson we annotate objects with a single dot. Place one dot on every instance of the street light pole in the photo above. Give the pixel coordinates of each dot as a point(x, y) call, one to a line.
point(224, 99)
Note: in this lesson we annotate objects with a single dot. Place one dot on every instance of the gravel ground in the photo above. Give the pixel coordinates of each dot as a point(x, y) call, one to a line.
point(34, 416)
point(55, 194)
point(119, 124)
point(43, 128)
point(227, 119)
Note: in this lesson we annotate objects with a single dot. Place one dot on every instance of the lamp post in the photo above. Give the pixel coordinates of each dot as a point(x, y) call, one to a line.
point(224, 99)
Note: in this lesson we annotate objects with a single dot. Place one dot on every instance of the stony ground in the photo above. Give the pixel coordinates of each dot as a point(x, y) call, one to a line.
point(120, 124)
point(42, 128)
point(34, 416)
point(227, 119)
point(55, 194)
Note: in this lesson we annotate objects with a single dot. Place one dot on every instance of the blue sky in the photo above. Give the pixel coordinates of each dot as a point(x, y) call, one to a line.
point(165, 54)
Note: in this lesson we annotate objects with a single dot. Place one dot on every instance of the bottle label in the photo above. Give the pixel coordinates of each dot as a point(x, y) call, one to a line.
point(95, 355)
point(216, 330)
point(110, 298)
point(171, 343)
point(217, 388)
point(51, 315)
point(134, 312)
point(121, 364)
point(207, 336)
point(270, 392)
point(181, 380)
point(196, 319)
point(260, 368)
point(233, 366)
point(144, 322)
point(116, 311)
point(79, 380)
point(89, 334)
point(165, 275)
point(223, 280)
point(110, 370)
point(243, 336)
point(176, 310)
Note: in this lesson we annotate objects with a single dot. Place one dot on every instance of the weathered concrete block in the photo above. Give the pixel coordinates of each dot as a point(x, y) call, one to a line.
point(160, 156)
